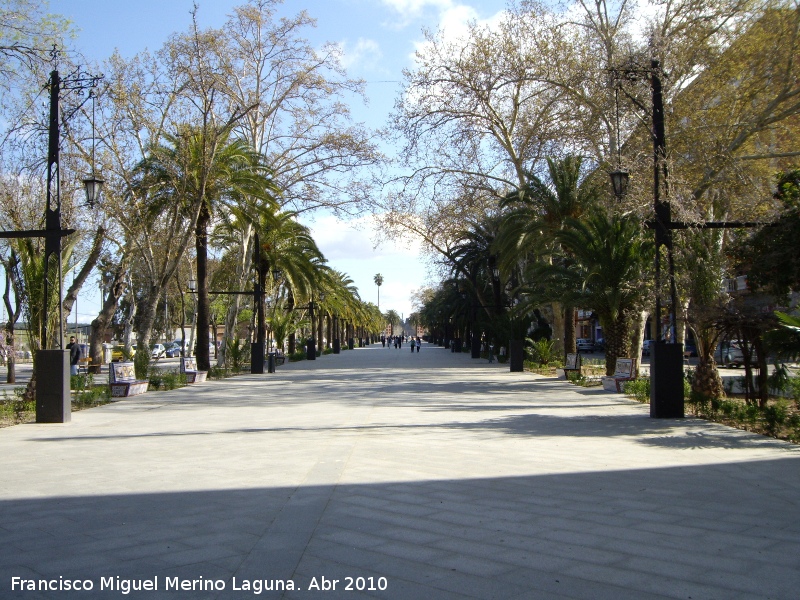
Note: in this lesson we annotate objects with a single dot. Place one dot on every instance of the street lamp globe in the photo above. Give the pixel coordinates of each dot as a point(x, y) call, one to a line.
point(93, 186)
point(619, 181)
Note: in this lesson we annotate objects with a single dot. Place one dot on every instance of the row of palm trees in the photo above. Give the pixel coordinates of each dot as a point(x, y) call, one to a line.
point(225, 190)
point(548, 249)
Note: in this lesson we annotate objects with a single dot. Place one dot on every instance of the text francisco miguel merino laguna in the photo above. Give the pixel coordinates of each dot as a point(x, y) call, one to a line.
point(201, 584)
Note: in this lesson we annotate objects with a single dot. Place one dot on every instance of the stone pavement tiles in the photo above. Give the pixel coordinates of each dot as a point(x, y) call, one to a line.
point(431, 475)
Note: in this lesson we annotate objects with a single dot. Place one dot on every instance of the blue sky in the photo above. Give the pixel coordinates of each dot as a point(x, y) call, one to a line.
point(378, 37)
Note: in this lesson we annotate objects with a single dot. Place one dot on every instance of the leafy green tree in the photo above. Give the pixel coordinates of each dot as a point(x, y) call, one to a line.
point(378, 279)
point(608, 256)
point(535, 215)
point(204, 174)
point(392, 318)
point(772, 251)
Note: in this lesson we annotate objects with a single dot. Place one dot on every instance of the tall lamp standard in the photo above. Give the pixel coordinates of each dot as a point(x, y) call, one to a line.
point(666, 360)
point(311, 343)
point(53, 402)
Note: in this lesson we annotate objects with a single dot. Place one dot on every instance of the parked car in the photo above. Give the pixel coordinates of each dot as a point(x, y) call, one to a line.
point(119, 353)
point(646, 347)
point(172, 350)
point(729, 353)
point(157, 350)
point(584, 345)
point(690, 349)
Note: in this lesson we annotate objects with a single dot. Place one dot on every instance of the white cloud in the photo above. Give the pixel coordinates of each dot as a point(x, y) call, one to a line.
point(358, 240)
point(414, 8)
point(365, 54)
point(453, 18)
point(350, 247)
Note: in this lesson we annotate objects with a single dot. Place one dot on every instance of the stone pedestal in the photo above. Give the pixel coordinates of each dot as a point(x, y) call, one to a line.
point(53, 400)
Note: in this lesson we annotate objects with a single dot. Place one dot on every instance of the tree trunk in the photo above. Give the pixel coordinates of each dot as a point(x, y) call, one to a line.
point(706, 382)
point(13, 316)
point(320, 318)
point(91, 261)
point(292, 337)
point(570, 316)
point(329, 327)
point(203, 307)
point(242, 270)
point(638, 328)
point(102, 321)
point(617, 340)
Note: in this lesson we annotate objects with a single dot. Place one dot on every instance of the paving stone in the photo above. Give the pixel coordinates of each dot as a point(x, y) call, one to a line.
point(463, 481)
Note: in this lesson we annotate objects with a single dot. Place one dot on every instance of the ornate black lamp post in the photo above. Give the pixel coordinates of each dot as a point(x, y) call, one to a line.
point(666, 360)
point(53, 402)
point(257, 348)
point(311, 343)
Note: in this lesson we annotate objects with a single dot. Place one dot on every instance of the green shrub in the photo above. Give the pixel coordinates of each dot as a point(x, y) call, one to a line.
point(328, 351)
point(16, 406)
point(81, 382)
point(141, 363)
point(541, 351)
point(173, 380)
point(775, 416)
point(91, 397)
point(793, 388)
point(727, 408)
point(238, 354)
point(216, 372)
point(581, 380)
point(639, 389)
point(301, 355)
point(156, 379)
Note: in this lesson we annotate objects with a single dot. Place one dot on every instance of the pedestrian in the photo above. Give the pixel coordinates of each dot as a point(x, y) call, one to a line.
point(413, 343)
point(74, 355)
point(419, 343)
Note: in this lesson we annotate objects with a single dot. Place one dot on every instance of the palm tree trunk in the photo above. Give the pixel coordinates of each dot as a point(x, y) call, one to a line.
point(570, 314)
point(329, 327)
point(320, 318)
point(558, 326)
point(292, 336)
point(707, 382)
point(617, 340)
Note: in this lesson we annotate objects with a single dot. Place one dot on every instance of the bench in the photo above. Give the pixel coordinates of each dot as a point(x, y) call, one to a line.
point(189, 368)
point(624, 370)
point(122, 380)
point(84, 364)
point(572, 365)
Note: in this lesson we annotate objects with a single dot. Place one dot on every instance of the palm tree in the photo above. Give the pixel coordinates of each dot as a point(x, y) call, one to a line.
point(607, 258)
point(283, 244)
point(205, 171)
point(378, 279)
point(392, 318)
point(537, 213)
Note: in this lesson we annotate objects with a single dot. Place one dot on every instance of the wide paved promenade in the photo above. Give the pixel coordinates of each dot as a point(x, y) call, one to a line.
point(432, 475)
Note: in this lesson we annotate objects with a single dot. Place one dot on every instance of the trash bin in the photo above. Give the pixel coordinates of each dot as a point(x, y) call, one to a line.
point(271, 363)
